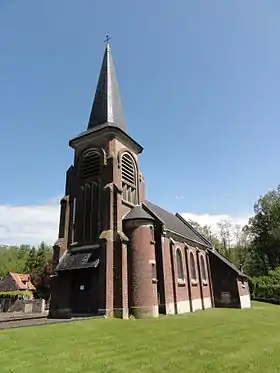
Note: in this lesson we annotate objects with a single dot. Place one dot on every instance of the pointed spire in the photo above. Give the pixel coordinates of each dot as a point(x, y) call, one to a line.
point(107, 107)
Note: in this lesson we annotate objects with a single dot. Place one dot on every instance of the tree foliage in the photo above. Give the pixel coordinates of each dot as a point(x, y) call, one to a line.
point(264, 227)
point(24, 259)
point(232, 240)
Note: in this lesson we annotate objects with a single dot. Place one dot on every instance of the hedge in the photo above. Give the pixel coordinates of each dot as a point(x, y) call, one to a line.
point(263, 291)
point(266, 287)
point(16, 293)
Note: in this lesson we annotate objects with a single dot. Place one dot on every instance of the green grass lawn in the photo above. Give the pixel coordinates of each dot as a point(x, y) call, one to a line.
point(216, 340)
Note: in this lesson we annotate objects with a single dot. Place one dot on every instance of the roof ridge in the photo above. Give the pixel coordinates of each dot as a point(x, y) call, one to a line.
point(193, 229)
point(174, 224)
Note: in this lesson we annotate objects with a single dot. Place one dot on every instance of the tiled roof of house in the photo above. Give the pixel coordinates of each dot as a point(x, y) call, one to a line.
point(175, 224)
point(22, 281)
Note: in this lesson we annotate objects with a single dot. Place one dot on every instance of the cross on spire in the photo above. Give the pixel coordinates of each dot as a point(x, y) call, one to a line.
point(107, 38)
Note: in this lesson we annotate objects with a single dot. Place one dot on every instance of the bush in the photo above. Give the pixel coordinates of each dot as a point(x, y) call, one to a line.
point(266, 286)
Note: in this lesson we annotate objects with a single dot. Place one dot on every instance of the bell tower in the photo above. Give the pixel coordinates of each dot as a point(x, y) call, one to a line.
point(102, 186)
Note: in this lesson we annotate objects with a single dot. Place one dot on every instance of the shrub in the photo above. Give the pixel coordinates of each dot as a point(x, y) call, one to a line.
point(266, 286)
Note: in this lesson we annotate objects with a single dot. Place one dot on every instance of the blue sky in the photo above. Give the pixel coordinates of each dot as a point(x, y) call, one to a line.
point(199, 82)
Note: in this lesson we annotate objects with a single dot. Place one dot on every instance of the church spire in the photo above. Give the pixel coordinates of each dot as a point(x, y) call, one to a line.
point(107, 107)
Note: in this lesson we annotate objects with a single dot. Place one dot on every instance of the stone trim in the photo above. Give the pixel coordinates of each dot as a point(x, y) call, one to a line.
point(182, 307)
point(207, 302)
point(145, 311)
point(245, 301)
point(196, 304)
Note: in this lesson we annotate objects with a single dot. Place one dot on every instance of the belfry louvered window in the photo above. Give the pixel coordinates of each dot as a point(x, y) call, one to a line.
point(85, 207)
point(87, 211)
point(129, 179)
point(90, 164)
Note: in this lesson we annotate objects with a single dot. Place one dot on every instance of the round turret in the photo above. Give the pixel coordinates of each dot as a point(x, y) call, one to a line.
point(138, 226)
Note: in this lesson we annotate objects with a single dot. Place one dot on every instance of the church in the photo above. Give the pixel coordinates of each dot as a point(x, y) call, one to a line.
point(117, 253)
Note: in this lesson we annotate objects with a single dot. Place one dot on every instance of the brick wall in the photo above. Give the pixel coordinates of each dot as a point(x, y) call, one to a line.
point(143, 300)
point(183, 294)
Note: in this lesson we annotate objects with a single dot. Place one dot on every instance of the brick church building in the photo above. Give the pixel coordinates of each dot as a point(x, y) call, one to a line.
point(118, 254)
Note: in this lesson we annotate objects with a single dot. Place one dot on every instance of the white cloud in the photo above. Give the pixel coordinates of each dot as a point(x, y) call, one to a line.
point(29, 224)
point(213, 220)
point(32, 224)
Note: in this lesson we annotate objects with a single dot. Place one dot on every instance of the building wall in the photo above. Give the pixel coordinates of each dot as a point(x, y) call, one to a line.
point(244, 293)
point(186, 294)
point(225, 287)
point(60, 303)
point(169, 293)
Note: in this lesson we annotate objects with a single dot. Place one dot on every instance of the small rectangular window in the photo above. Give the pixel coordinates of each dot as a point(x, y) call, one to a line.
point(154, 271)
point(152, 233)
point(62, 218)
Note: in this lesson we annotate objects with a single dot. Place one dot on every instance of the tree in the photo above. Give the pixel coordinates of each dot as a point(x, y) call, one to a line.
point(22, 253)
point(264, 227)
point(31, 261)
point(206, 232)
point(42, 282)
point(43, 256)
point(225, 237)
point(240, 253)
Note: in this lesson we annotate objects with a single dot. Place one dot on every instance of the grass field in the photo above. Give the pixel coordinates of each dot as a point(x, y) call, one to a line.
point(216, 340)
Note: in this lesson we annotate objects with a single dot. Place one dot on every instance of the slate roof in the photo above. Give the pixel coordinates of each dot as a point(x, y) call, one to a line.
point(107, 105)
point(138, 213)
point(106, 112)
point(227, 262)
point(173, 223)
point(77, 261)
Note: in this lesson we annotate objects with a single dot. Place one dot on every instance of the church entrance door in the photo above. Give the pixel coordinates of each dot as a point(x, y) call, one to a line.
point(82, 286)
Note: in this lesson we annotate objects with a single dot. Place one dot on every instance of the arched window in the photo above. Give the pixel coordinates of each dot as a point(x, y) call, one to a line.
point(86, 212)
point(90, 164)
point(129, 179)
point(192, 266)
point(180, 271)
point(203, 268)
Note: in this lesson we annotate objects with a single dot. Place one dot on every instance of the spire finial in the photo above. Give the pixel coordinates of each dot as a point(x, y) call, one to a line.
point(107, 38)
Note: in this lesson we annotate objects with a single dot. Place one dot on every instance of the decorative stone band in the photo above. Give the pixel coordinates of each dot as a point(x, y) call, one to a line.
point(207, 302)
point(138, 312)
point(110, 236)
point(196, 304)
point(184, 306)
point(145, 311)
point(179, 307)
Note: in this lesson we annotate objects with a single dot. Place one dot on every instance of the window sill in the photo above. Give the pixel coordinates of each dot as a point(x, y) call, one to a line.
point(154, 280)
point(205, 283)
point(152, 242)
point(194, 282)
point(181, 282)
